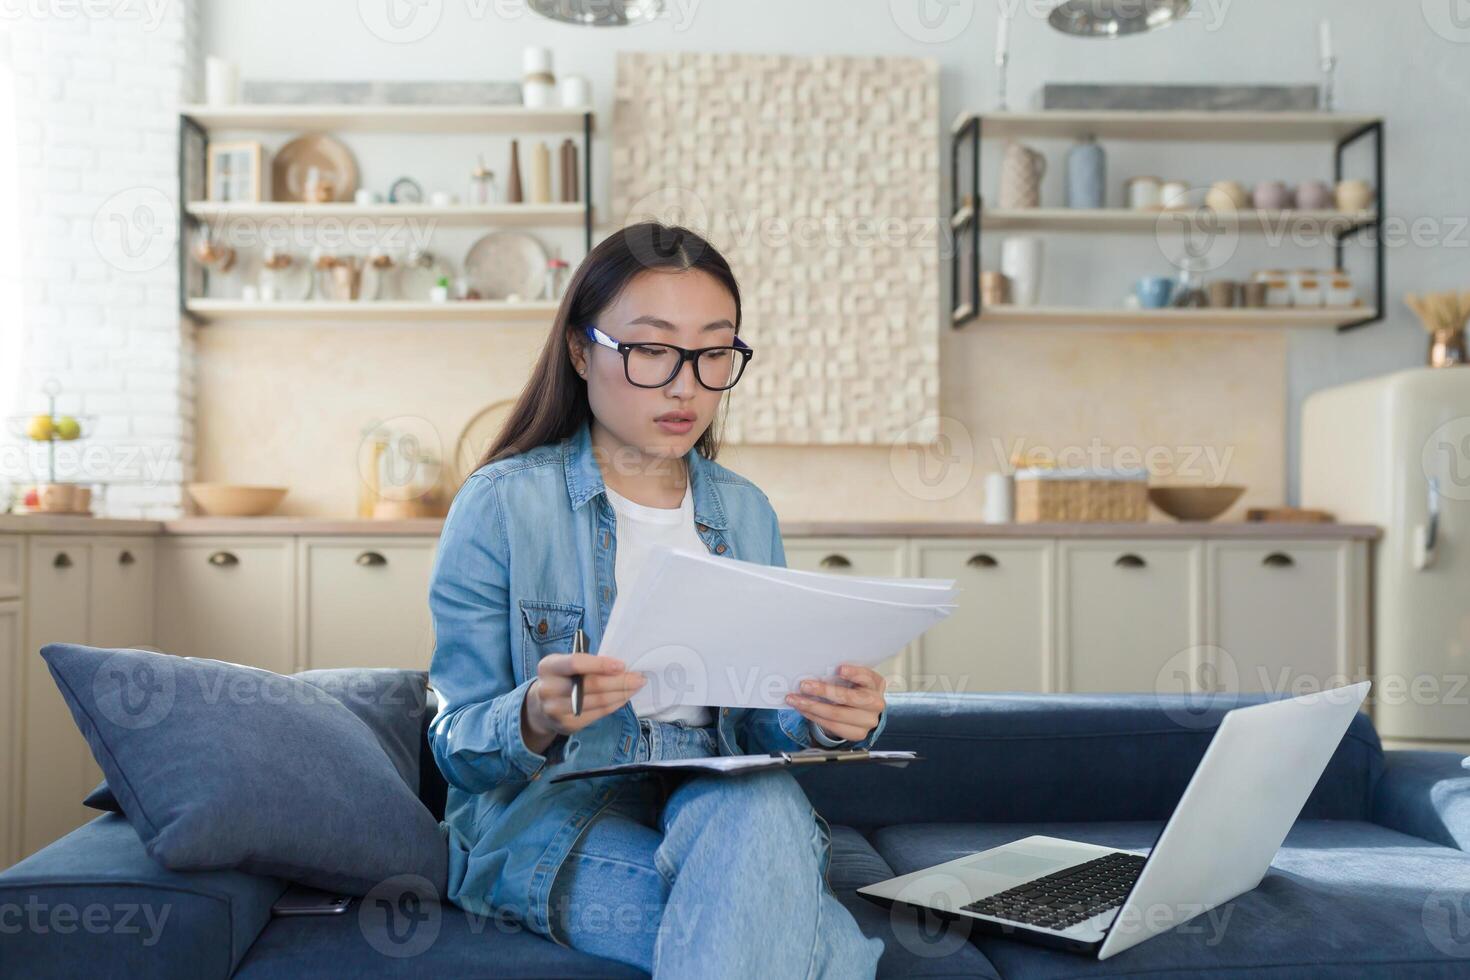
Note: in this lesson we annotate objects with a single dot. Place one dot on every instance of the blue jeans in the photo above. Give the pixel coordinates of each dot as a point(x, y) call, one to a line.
point(707, 876)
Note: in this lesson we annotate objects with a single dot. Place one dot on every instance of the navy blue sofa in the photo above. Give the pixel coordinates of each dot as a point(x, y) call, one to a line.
point(1373, 881)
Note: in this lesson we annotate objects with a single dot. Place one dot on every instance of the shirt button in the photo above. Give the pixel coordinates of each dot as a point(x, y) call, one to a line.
point(719, 549)
point(702, 527)
point(541, 627)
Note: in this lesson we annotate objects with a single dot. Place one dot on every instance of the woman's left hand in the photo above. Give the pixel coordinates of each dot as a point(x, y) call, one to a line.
point(850, 710)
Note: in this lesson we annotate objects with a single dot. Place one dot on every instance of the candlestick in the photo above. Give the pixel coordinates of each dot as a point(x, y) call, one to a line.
point(1002, 56)
point(1329, 66)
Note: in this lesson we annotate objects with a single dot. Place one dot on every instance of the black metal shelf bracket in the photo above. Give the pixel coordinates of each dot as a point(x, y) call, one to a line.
point(1373, 131)
point(962, 313)
point(188, 126)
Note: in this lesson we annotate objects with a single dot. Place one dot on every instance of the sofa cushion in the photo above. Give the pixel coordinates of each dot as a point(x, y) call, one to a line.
point(390, 702)
point(1342, 898)
point(1060, 757)
point(94, 903)
point(914, 945)
point(222, 766)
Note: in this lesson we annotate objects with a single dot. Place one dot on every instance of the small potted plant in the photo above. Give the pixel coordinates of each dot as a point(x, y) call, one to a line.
point(1444, 316)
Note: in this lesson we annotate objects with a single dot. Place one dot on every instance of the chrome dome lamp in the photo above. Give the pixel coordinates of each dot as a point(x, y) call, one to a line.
point(599, 13)
point(1115, 18)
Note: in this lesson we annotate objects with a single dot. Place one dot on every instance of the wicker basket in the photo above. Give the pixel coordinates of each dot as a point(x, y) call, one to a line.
point(1083, 498)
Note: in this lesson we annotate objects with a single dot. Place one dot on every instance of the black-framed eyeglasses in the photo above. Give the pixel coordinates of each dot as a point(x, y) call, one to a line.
point(648, 364)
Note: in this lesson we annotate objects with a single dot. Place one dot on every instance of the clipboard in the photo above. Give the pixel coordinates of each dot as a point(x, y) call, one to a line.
point(732, 765)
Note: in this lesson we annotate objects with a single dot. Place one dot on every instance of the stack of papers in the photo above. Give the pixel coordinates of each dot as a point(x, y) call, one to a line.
point(723, 632)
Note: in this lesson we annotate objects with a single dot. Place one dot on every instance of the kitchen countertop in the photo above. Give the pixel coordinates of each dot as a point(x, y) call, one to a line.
point(430, 527)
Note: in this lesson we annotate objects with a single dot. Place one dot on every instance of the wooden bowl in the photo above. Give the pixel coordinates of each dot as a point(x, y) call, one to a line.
point(234, 500)
point(1194, 503)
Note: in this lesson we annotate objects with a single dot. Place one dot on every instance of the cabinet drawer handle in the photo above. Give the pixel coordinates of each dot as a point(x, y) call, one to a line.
point(1130, 561)
point(126, 558)
point(835, 561)
point(223, 559)
point(1277, 559)
point(982, 561)
point(62, 560)
point(369, 559)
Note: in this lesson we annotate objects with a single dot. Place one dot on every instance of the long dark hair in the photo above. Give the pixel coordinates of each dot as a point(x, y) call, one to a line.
point(553, 405)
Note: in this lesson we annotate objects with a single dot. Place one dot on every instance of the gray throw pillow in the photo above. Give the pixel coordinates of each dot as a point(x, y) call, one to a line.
point(389, 701)
point(216, 765)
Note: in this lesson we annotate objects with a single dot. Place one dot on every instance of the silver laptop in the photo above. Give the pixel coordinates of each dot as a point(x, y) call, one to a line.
point(1248, 790)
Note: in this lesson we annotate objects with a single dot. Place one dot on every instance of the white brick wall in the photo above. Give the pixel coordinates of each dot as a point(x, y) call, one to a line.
point(97, 88)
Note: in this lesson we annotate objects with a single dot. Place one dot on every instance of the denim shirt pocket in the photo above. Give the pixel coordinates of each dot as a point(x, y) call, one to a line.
point(547, 627)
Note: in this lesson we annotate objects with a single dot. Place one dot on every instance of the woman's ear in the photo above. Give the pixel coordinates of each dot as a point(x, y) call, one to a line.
point(577, 351)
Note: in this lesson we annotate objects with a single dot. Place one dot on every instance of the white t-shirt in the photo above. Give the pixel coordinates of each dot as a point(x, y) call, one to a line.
point(641, 528)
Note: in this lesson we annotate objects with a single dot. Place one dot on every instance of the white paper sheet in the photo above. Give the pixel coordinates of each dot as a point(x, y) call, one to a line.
point(721, 632)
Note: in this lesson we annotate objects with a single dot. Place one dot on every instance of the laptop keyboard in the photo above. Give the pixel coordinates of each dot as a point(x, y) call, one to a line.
point(1067, 897)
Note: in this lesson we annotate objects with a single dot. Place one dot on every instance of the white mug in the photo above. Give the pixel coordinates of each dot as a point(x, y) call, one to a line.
point(365, 196)
point(442, 199)
point(1020, 260)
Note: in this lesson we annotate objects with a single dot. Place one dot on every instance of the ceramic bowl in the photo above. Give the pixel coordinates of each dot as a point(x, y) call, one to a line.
point(235, 500)
point(1194, 503)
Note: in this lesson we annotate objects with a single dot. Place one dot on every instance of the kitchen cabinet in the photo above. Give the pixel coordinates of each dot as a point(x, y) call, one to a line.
point(1129, 613)
point(11, 550)
point(863, 557)
point(364, 602)
point(1287, 617)
point(58, 768)
point(12, 742)
point(229, 598)
point(121, 600)
point(1001, 638)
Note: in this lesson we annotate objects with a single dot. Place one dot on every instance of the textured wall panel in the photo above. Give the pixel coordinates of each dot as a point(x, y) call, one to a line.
point(818, 179)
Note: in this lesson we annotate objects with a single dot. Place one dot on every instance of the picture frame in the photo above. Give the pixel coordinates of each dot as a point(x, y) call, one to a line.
point(235, 172)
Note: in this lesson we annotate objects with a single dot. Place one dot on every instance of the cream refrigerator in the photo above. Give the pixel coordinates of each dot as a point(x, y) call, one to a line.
point(1395, 451)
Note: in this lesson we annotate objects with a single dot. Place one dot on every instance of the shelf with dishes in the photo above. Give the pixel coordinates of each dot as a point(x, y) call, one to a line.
point(1283, 221)
point(397, 311)
point(569, 214)
point(1166, 125)
point(391, 118)
point(289, 228)
point(1267, 318)
point(1189, 220)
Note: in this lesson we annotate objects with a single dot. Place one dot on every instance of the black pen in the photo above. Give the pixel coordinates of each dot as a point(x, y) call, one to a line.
point(579, 645)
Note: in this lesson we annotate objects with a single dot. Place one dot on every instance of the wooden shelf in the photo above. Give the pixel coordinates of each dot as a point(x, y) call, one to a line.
point(570, 215)
point(1258, 318)
point(1259, 127)
point(238, 311)
point(1173, 222)
point(389, 118)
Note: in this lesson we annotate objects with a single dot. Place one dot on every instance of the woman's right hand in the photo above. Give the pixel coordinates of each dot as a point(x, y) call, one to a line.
point(607, 685)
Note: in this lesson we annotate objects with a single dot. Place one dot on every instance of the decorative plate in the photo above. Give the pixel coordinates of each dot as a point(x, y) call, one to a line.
point(294, 161)
point(507, 263)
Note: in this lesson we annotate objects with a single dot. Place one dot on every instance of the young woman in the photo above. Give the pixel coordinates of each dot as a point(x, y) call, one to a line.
point(609, 452)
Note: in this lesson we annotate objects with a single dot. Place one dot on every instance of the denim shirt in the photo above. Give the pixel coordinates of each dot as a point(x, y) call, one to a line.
point(525, 557)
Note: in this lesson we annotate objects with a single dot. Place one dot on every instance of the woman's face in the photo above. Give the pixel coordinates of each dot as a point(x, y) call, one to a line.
point(690, 309)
